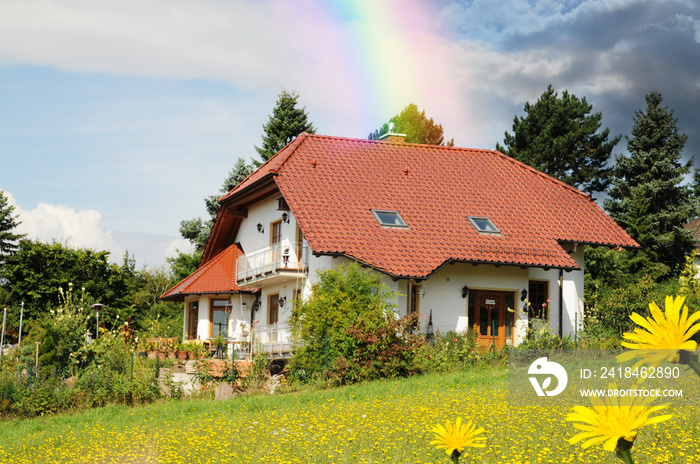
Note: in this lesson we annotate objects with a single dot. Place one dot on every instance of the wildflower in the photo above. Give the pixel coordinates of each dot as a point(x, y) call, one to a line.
point(455, 438)
point(670, 330)
point(614, 424)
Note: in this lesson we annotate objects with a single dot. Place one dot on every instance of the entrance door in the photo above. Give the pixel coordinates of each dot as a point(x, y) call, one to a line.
point(490, 317)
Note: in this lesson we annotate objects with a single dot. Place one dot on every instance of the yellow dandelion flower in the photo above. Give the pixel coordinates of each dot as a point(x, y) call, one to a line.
point(669, 330)
point(455, 438)
point(608, 421)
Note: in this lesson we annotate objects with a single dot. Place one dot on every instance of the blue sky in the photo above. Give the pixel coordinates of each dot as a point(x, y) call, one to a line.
point(118, 118)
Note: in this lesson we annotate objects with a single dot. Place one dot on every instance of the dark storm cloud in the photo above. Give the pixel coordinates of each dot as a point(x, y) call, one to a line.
point(611, 52)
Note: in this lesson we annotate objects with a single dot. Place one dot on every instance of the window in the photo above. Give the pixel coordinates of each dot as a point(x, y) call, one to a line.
point(219, 318)
point(276, 235)
point(388, 218)
point(273, 308)
point(483, 225)
point(538, 296)
point(192, 319)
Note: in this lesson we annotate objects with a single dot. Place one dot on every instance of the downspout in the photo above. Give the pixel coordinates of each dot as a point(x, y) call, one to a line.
point(561, 303)
point(184, 322)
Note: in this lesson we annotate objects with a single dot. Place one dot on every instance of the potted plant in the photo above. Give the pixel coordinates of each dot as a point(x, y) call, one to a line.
point(220, 345)
point(197, 350)
point(151, 350)
point(182, 352)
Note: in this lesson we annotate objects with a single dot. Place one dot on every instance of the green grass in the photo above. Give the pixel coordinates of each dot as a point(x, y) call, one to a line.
point(384, 421)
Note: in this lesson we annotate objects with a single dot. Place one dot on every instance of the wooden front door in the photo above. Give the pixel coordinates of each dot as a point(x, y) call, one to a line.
point(490, 317)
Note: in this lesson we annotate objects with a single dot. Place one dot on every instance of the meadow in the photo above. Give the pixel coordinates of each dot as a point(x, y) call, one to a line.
point(372, 422)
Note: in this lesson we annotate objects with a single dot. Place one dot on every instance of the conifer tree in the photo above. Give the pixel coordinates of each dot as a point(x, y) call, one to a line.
point(284, 124)
point(654, 171)
point(8, 223)
point(560, 137)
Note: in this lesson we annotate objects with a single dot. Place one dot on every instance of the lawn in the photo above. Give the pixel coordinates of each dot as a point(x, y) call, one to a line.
point(378, 422)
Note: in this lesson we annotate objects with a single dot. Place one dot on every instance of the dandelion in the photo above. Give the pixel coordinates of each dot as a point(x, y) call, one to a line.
point(613, 424)
point(670, 330)
point(455, 438)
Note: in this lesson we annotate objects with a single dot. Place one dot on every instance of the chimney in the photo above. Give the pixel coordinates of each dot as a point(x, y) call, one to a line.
point(391, 136)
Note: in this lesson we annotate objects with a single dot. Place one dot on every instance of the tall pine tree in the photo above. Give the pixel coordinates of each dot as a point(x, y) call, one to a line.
point(654, 171)
point(8, 223)
point(560, 137)
point(284, 124)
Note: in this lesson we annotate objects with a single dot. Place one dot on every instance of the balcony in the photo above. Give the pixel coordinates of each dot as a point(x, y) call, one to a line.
point(274, 264)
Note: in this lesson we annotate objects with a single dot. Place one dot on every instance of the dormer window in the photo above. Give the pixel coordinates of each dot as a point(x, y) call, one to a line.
point(483, 225)
point(388, 218)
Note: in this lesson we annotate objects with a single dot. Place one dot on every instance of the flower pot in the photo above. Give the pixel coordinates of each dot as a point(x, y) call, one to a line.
point(182, 355)
point(162, 354)
point(152, 354)
point(172, 355)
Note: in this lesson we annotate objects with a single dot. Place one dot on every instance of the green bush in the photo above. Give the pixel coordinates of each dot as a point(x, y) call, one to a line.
point(346, 301)
point(384, 347)
point(612, 307)
point(451, 351)
point(541, 337)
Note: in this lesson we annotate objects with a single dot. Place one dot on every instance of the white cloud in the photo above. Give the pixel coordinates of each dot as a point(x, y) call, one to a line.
point(84, 229)
point(78, 229)
point(179, 245)
point(249, 43)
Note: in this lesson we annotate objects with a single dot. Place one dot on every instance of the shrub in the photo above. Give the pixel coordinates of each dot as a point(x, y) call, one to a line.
point(384, 347)
point(612, 307)
point(448, 352)
point(322, 327)
point(258, 372)
point(543, 338)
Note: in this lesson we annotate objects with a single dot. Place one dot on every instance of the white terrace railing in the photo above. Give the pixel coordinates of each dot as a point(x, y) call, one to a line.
point(273, 339)
point(282, 257)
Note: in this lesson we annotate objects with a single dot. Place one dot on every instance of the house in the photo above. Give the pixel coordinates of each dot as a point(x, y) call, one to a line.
point(468, 237)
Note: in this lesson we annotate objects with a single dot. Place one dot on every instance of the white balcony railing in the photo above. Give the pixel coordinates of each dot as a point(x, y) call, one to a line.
point(272, 260)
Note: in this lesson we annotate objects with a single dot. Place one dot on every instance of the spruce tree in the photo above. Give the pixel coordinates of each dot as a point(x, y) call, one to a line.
point(284, 124)
point(560, 137)
point(654, 171)
point(8, 223)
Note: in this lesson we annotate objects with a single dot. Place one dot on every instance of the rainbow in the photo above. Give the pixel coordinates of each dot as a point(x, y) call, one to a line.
point(396, 54)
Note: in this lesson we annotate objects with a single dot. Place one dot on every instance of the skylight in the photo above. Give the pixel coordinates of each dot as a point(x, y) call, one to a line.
point(388, 218)
point(483, 225)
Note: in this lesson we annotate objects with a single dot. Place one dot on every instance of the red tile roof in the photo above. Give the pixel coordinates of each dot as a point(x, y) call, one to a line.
point(332, 183)
point(215, 276)
point(694, 228)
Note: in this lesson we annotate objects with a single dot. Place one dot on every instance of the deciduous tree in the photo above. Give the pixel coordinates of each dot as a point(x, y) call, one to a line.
point(417, 127)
